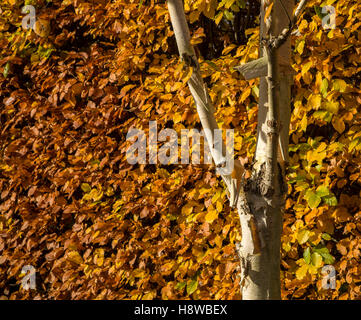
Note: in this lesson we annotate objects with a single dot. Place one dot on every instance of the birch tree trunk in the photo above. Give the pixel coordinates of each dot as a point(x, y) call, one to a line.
point(260, 201)
point(266, 190)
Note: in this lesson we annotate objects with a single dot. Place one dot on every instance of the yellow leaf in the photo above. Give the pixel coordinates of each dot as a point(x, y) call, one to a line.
point(339, 85)
point(176, 86)
point(166, 97)
point(286, 246)
point(211, 216)
point(218, 18)
point(306, 67)
point(216, 196)
point(245, 94)
point(304, 122)
point(338, 124)
point(218, 241)
point(228, 49)
point(312, 269)
point(307, 77)
point(75, 257)
point(188, 75)
point(301, 272)
point(318, 81)
point(168, 266)
point(100, 258)
point(314, 101)
point(96, 234)
point(300, 46)
point(193, 16)
point(95, 194)
point(219, 206)
point(331, 106)
point(177, 117)
point(187, 210)
point(149, 296)
point(203, 191)
point(229, 3)
point(303, 235)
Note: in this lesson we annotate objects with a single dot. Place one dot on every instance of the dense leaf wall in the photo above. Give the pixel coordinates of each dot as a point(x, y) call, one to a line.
point(96, 227)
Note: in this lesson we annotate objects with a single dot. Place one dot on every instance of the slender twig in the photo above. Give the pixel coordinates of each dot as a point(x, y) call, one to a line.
point(285, 11)
point(282, 37)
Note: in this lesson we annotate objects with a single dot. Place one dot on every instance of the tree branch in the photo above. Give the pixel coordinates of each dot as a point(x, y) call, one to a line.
point(223, 161)
point(282, 37)
point(258, 68)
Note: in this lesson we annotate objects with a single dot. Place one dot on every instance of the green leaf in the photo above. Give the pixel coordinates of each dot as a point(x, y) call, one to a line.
point(307, 255)
point(212, 65)
point(354, 143)
point(255, 91)
point(322, 191)
point(241, 4)
point(326, 236)
point(316, 259)
point(324, 87)
point(86, 187)
point(328, 259)
point(318, 11)
point(229, 15)
point(293, 147)
point(313, 199)
point(323, 115)
point(30, 2)
point(180, 285)
point(192, 286)
point(6, 69)
point(330, 200)
point(325, 254)
point(44, 52)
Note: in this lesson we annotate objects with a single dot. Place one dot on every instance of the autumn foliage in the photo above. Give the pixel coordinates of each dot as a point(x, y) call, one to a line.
point(96, 227)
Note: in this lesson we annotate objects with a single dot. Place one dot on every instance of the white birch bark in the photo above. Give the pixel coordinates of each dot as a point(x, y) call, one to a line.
point(260, 201)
